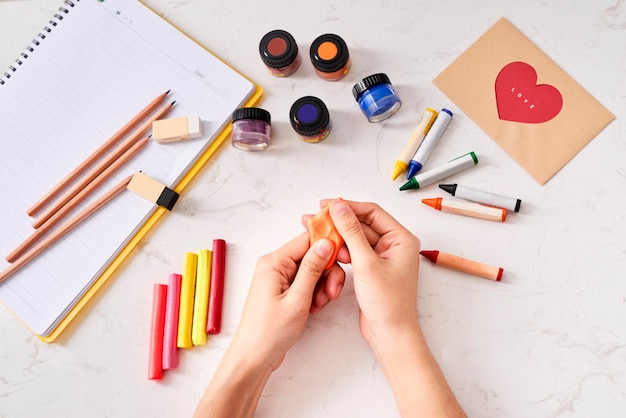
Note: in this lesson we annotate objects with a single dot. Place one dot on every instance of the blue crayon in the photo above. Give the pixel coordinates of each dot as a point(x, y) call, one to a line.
point(428, 145)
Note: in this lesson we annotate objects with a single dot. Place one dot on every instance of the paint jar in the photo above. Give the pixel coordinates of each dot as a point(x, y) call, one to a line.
point(251, 129)
point(309, 117)
point(376, 97)
point(330, 57)
point(279, 53)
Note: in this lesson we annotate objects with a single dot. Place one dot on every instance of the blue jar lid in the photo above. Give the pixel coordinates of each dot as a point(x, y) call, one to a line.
point(367, 82)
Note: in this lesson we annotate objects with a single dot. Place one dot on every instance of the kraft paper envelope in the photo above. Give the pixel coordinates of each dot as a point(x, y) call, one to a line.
point(525, 102)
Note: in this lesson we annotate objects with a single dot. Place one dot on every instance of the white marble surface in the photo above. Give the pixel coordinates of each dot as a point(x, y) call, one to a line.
point(549, 341)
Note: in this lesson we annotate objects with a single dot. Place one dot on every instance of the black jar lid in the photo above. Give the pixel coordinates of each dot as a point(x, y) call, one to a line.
point(309, 116)
point(278, 49)
point(329, 60)
point(252, 113)
point(367, 82)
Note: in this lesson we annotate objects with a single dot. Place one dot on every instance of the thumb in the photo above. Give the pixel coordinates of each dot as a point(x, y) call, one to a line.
point(350, 229)
point(311, 268)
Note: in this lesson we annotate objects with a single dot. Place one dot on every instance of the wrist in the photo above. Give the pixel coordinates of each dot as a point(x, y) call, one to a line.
point(405, 335)
point(414, 376)
point(251, 362)
point(236, 386)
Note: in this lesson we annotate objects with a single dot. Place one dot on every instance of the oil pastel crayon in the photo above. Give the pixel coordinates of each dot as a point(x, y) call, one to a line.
point(201, 298)
point(187, 290)
point(480, 196)
point(216, 292)
point(455, 166)
point(157, 324)
point(430, 141)
point(471, 209)
point(170, 333)
point(402, 163)
point(462, 264)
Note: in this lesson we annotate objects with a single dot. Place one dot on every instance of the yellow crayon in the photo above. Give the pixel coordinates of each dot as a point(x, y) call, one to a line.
point(187, 288)
point(402, 163)
point(201, 299)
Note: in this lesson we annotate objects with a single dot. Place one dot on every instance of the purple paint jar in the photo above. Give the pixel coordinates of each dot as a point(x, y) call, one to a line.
point(310, 118)
point(251, 129)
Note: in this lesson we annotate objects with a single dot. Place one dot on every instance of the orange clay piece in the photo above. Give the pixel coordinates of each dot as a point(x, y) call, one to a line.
point(321, 226)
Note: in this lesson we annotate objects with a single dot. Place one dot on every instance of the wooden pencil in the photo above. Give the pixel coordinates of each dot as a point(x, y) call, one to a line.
point(76, 200)
point(97, 154)
point(101, 166)
point(64, 229)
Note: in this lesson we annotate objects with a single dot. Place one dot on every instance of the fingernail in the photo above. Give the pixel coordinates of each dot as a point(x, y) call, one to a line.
point(338, 289)
point(323, 248)
point(323, 299)
point(339, 207)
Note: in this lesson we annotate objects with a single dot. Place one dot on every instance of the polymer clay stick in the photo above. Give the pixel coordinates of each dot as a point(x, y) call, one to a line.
point(201, 298)
point(169, 130)
point(187, 292)
point(152, 190)
point(170, 332)
point(321, 226)
point(157, 325)
point(216, 290)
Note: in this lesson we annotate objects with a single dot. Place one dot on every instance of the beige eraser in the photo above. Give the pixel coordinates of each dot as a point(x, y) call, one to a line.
point(176, 129)
point(152, 190)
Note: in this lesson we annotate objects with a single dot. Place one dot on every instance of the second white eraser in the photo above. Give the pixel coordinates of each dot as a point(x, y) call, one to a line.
point(176, 129)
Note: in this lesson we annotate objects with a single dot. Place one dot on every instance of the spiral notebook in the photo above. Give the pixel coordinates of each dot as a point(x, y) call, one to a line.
point(93, 67)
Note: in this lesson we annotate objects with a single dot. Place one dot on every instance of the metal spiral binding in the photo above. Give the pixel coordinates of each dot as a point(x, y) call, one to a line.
point(63, 10)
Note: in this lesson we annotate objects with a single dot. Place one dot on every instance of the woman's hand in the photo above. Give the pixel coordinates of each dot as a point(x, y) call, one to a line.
point(288, 284)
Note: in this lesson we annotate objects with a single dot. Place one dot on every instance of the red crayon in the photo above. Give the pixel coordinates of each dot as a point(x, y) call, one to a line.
point(216, 292)
point(155, 364)
point(462, 264)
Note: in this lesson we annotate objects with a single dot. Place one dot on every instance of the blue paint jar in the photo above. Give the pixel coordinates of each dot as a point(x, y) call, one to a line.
point(376, 97)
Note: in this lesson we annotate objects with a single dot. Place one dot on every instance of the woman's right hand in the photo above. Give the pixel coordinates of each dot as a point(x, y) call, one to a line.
point(385, 263)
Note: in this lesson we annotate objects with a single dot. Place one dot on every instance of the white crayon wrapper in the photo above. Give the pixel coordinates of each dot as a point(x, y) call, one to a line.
point(480, 196)
point(445, 170)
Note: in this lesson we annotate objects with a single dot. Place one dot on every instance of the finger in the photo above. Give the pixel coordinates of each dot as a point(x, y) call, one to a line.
point(295, 249)
point(328, 288)
point(335, 280)
point(350, 229)
point(372, 215)
point(286, 259)
point(320, 297)
point(372, 236)
point(305, 221)
point(343, 256)
point(311, 269)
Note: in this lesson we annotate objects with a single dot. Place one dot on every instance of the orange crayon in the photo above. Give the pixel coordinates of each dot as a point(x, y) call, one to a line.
point(462, 264)
point(474, 210)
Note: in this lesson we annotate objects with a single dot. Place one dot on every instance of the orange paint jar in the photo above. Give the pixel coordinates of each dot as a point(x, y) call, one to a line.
point(330, 57)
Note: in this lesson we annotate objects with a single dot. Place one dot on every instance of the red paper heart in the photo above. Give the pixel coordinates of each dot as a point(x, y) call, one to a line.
point(520, 99)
